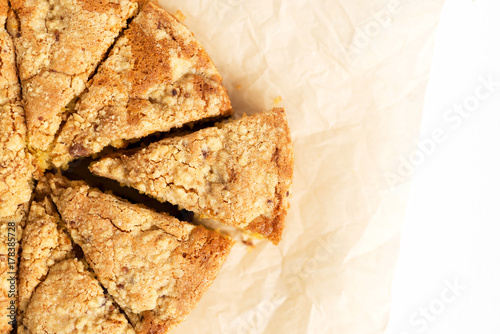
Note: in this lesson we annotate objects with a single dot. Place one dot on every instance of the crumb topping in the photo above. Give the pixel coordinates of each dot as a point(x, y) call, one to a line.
point(43, 245)
point(156, 77)
point(152, 267)
point(155, 266)
point(59, 44)
point(239, 173)
point(69, 300)
point(16, 167)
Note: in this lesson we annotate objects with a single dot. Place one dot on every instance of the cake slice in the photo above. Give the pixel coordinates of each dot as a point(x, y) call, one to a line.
point(239, 173)
point(16, 172)
point(70, 300)
point(44, 244)
point(154, 266)
point(16, 168)
point(157, 77)
point(59, 44)
point(57, 294)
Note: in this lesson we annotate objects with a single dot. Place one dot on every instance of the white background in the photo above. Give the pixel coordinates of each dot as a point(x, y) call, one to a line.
point(452, 234)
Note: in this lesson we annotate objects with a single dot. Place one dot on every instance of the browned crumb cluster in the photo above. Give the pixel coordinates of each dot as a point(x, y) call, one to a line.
point(239, 173)
point(155, 266)
point(157, 77)
point(59, 44)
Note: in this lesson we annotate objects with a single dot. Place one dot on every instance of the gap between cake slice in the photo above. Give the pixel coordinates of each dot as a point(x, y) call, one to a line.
point(239, 173)
point(59, 45)
point(156, 77)
point(154, 266)
point(57, 291)
point(16, 173)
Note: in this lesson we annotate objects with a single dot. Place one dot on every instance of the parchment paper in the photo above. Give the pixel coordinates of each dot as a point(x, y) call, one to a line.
point(351, 75)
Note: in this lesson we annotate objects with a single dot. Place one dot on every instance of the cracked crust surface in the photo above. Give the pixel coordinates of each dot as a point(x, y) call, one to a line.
point(239, 173)
point(69, 300)
point(59, 44)
point(155, 266)
point(16, 168)
point(56, 293)
point(15, 161)
point(157, 77)
point(44, 244)
point(7, 274)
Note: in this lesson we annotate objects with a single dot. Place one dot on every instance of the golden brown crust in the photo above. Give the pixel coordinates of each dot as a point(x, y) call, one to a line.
point(155, 267)
point(16, 165)
point(16, 171)
point(4, 8)
point(8, 242)
point(9, 83)
point(200, 259)
point(17, 168)
point(44, 244)
point(56, 293)
point(240, 173)
point(59, 44)
point(70, 300)
point(272, 228)
point(156, 77)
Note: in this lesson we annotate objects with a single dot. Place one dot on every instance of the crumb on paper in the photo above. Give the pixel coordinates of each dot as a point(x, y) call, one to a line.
point(180, 15)
point(248, 242)
point(237, 87)
point(277, 100)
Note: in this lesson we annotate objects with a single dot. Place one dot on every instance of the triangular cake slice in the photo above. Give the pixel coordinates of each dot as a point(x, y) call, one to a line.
point(16, 172)
point(59, 44)
point(69, 301)
point(239, 173)
point(154, 266)
point(57, 294)
point(157, 77)
point(44, 244)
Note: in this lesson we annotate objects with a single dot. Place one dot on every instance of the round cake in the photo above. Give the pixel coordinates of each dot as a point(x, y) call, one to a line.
point(122, 89)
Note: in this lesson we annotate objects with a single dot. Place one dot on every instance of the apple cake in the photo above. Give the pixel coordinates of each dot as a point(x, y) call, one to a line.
point(81, 80)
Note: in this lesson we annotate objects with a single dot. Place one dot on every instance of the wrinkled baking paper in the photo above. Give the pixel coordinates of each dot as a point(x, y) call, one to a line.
point(351, 75)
